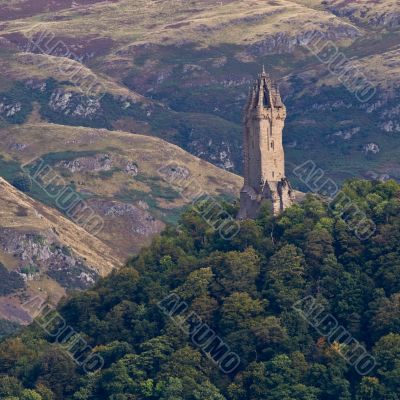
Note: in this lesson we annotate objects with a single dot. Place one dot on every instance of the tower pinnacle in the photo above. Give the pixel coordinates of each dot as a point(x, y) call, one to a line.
point(264, 159)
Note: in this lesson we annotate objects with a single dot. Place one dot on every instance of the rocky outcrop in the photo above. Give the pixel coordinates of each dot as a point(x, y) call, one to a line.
point(219, 153)
point(135, 219)
point(74, 104)
point(284, 42)
point(36, 85)
point(131, 168)
point(347, 134)
point(390, 119)
point(377, 176)
point(387, 15)
point(371, 148)
point(43, 253)
point(99, 162)
point(390, 126)
point(172, 173)
point(9, 108)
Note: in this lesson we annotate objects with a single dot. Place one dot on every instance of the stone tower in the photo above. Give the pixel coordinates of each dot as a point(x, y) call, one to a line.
point(264, 159)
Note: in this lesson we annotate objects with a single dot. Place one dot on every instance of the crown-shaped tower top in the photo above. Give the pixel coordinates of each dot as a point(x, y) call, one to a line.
point(264, 94)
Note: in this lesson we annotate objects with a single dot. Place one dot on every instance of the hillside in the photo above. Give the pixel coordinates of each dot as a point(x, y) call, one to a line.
point(93, 199)
point(180, 70)
point(42, 253)
point(302, 308)
point(134, 183)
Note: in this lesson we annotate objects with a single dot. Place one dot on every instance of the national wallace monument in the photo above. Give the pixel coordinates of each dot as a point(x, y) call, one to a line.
point(264, 158)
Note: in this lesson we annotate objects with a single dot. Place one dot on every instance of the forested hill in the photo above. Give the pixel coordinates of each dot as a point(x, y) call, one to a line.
point(290, 304)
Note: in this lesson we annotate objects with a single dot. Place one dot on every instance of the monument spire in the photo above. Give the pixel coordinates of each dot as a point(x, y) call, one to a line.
point(264, 159)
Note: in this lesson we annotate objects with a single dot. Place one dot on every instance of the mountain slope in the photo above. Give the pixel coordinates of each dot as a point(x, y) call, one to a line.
point(134, 183)
point(181, 71)
point(42, 253)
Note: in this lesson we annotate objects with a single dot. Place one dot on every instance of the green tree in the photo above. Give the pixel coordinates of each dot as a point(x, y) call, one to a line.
point(235, 271)
point(285, 276)
point(9, 386)
point(23, 183)
point(238, 310)
point(386, 318)
point(370, 389)
point(29, 394)
point(387, 355)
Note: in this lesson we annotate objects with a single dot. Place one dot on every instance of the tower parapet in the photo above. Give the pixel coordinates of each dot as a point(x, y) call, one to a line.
point(264, 159)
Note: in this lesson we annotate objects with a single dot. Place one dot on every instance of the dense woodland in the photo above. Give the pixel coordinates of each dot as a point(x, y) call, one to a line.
point(244, 289)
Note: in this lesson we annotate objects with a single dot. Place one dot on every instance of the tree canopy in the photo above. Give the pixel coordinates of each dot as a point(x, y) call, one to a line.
point(245, 291)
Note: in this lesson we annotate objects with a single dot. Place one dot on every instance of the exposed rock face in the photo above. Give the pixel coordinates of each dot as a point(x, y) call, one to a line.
point(100, 162)
point(376, 176)
point(264, 159)
point(9, 108)
point(371, 148)
point(283, 42)
point(348, 133)
point(390, 120)
point(18, 146)
point(38, 253)
point(221, 153)
point(139, 221)
point(131, 168)
point(43, 254)
point(390, 126)
point(35, 84)
point(74, 104)
point(171, 173)
point(359, 11)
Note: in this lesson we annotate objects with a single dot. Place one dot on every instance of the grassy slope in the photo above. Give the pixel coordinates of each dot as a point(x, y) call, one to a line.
point(55, 143)
point(130, 21)
point(98, 255)
point(20, 213)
